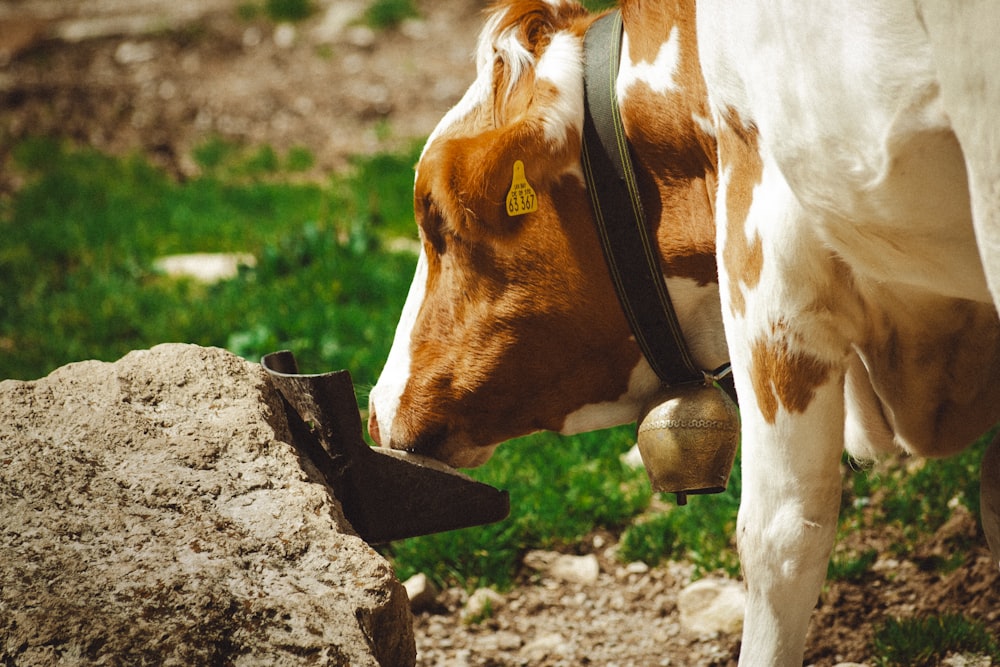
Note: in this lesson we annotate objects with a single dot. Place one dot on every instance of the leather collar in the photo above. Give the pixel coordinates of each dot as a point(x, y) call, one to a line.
point(631, 255)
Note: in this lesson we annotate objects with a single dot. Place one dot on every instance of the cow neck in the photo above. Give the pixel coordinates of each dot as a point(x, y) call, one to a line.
point(632, 258)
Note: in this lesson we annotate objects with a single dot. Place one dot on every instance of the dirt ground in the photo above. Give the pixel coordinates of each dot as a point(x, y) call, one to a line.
point(162, 76)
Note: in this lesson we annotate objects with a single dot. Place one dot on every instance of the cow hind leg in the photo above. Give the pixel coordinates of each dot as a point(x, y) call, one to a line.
point(989, 498)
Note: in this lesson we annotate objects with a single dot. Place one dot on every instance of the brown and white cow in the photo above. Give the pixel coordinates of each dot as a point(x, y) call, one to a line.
point(823, 181)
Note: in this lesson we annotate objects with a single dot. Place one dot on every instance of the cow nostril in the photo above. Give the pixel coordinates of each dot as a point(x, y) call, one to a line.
point(373, 425)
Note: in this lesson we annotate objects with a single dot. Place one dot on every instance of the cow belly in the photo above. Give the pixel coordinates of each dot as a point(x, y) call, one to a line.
point(911, 225)
point(933, 364)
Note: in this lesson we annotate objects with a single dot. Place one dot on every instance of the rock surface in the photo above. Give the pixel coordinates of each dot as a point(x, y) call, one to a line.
point(712, 605)
point(154, 513)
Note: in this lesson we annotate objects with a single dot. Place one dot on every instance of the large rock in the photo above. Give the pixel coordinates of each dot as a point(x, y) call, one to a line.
point(154, 512)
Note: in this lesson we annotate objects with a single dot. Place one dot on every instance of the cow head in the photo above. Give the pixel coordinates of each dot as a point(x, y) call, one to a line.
point(512, 324)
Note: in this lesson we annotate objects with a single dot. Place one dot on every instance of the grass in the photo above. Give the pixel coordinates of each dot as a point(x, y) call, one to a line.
point(561, 489)
point(926, 641)
point(386, 14)
point(81, 236)
point(277, 10)
point(76, 282)
point(701, 533)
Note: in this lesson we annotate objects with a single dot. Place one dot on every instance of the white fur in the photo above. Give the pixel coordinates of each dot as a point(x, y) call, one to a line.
point(387, 392)
point(658, 75)
point(562, 64)
point(860, 169)
point(698, 311)
point(642, 383)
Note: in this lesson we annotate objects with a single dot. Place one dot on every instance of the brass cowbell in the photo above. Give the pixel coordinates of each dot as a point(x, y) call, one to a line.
point(687, 436)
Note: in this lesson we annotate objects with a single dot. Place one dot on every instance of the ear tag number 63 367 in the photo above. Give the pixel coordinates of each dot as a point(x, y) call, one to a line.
point(521, 197)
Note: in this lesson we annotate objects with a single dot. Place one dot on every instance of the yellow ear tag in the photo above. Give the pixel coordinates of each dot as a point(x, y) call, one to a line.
point(521, 197)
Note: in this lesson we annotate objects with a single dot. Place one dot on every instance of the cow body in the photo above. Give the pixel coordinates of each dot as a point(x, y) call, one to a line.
point(842, 164)
point(856, 298)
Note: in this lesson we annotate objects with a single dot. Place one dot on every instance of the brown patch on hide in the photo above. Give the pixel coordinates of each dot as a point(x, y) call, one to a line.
point(784, 377)
point(743, 255)
point(674, 156)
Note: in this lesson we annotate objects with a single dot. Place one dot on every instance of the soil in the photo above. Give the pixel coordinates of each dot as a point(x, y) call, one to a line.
point(170, 74)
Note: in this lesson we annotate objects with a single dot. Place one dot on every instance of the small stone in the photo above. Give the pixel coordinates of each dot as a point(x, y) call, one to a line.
point(632, 458)
point(576, 569)
point(204, 267)
point(501, 640)
point(284, 35)
point(637, 567)
point(712, 606)
point(541, 647)
point(132, 53)
point(481, 605)
point(361, 36)
point(421, 591)
point(251, 37)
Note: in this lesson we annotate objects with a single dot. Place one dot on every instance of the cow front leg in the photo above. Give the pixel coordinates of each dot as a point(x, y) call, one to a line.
point(788, 316)
point(787, 521)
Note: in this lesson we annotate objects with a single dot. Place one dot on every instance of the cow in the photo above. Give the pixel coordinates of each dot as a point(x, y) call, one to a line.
point(823, 184)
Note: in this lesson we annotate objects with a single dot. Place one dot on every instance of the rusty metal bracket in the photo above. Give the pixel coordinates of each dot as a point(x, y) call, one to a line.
point(386, 495)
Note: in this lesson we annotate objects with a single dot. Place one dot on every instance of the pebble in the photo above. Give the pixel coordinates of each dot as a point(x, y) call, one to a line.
point(565, 568)
point(421, 591)
point(481, 604)
point(361, 37)
point(632, 458)
point(712, 606)
point(544, 645)
point(284, 35)
point(637, 567)
point(576, 569)
point(132, 53)
point(204, 267)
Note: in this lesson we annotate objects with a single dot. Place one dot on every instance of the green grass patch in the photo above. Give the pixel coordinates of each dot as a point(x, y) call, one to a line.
point(926, 641)
point(700, 532)
point(386, 14)
point(277, 10)
point(77, 272)
point(561, 489)
point(851, 566)
point(915, 494)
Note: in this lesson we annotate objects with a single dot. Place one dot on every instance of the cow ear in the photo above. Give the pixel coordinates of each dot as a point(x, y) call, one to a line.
point(516, 41)
point(531, 51)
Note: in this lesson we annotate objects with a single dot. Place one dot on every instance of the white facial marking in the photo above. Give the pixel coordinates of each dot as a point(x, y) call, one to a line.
point(391, 383)
point(562, 64)
point(658, 75)
point(641, 385)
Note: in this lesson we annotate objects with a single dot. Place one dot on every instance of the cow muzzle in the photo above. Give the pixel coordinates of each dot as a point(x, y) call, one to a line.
point(451, 449)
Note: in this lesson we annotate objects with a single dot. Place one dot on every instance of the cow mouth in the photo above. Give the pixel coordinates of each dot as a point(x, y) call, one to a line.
point(454, 451)
point(439, 443)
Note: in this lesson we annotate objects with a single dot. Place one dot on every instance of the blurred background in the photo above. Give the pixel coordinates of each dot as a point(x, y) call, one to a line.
point(131, 132)
point(340, 77)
